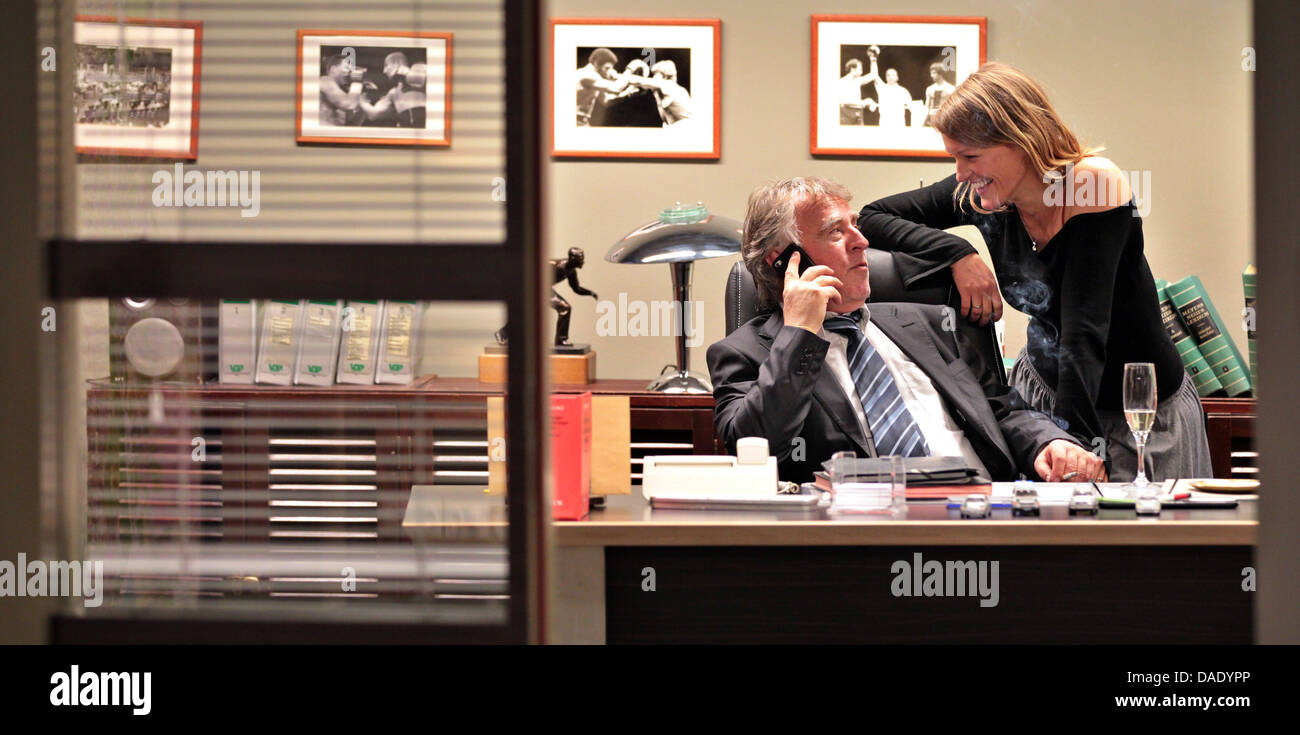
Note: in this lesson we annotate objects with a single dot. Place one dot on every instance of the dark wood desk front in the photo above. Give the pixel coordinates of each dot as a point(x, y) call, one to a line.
point(745, 577)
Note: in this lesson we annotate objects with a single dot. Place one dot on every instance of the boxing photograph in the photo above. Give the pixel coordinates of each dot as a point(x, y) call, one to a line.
point(379, 87)
point(894, 85)
point(383, 84)
point(633, 87)
point(877, 81)
point(641, 89)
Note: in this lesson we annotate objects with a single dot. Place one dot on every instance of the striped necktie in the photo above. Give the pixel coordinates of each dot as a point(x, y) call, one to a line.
point(892, 426)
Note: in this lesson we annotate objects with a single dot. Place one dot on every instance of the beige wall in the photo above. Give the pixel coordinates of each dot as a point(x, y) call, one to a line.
point(1158, 82)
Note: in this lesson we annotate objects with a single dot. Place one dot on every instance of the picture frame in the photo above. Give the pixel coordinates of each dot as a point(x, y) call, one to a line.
point(664, 95)
point(150, 110)
point(358, 87)
point(919, 60)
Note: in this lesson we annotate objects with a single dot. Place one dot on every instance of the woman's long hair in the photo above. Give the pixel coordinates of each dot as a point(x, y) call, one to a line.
point(1000, 104)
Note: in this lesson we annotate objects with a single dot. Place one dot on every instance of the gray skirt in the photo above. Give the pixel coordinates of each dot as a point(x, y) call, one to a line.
point(1177, 447)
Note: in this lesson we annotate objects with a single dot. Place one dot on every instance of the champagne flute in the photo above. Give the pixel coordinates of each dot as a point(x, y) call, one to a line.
point(1140, 411)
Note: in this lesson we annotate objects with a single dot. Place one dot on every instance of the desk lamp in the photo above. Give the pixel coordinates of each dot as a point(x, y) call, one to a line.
point(679, 237)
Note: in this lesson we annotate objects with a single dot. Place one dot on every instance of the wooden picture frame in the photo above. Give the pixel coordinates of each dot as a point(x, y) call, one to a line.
point(402, 77)
point(854, 112)
point(671, 105)
point(151, 110)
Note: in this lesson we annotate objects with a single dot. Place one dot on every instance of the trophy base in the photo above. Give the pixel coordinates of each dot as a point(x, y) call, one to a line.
point(566, 369)
point(681, 382)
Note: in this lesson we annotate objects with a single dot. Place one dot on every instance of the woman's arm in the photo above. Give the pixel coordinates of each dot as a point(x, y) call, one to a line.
point(911, 224)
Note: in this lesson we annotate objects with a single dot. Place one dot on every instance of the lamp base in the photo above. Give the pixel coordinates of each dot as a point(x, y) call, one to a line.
point(681, 381)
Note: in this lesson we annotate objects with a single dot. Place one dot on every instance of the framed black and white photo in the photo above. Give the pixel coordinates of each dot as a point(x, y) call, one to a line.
point(877, 79)
point(374, 88)
point(136, 88)
point(623, 88)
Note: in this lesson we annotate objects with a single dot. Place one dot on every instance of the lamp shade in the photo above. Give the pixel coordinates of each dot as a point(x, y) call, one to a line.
point(679, 235)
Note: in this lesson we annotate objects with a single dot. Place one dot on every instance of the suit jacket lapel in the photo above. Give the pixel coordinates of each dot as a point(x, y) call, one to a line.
point(967, 400)
point(827, 392)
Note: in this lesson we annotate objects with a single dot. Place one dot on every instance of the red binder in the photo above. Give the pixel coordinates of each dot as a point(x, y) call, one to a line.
point(570, 455)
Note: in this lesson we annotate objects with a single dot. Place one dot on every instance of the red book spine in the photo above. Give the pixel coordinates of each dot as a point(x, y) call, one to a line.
point(570, 455)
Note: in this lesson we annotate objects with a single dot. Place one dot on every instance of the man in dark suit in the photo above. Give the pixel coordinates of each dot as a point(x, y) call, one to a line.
point(823, 373)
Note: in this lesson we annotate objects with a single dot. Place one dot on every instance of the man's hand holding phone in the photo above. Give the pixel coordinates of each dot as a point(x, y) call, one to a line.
point(806, 298)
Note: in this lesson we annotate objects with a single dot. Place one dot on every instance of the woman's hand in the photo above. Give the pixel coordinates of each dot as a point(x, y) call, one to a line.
point(1063, 461)
point(980, 300)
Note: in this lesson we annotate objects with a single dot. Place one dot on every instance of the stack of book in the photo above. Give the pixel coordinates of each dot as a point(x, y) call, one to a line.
point(1202, 339)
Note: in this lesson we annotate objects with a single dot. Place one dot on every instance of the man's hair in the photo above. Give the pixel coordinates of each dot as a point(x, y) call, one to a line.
point(938, 66)
point(333, 61)
point(667, 67)
point(601, 56)
point(771, 225)
point(852, 63)
point(397, 56)
point(999, 104)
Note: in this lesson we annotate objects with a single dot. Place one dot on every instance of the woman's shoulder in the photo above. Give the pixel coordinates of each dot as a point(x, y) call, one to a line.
point(1099, 186)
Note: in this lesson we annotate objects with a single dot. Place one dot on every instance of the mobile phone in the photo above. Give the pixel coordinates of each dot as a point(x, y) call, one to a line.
point(783, 260)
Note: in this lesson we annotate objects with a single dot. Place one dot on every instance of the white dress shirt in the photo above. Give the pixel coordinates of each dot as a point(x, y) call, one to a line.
point(941, 433)
point(893, 101)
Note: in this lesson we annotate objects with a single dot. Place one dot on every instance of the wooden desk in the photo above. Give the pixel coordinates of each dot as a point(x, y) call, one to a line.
point(787, 577)
point(746, 577)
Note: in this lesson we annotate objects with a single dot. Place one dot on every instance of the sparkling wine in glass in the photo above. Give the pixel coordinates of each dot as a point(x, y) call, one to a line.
point(1140, 410)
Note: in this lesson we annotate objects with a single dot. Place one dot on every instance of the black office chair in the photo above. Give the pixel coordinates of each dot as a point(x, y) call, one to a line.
point(886, 286)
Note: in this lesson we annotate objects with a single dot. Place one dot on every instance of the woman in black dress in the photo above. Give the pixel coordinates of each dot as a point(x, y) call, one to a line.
point(1066, 241)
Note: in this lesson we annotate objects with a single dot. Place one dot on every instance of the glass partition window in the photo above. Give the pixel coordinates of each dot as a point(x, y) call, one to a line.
point(292, 427)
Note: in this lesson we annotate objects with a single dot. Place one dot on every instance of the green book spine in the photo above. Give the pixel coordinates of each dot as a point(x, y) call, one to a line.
point(1193, 360)
point(1207, 328)
point(1248, 286)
